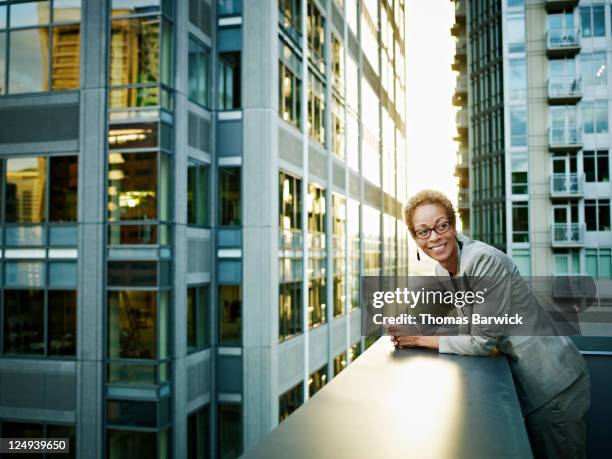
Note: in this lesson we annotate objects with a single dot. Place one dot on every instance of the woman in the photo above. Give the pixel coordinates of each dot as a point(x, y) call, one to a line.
point(550, 375)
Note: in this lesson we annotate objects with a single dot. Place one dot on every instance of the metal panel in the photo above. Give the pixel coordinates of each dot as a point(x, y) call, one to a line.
point(354, 181)
point(289, 147)
point(229, 39)
point(337, 19)
point(371, 195)
point(199, 255)
point(198, 378)
point(316, 163)
point(53, 123)
point(338, 173)
point(229, 138)
point(229, 374)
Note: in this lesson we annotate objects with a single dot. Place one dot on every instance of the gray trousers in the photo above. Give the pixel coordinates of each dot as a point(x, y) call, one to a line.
point(557, 429)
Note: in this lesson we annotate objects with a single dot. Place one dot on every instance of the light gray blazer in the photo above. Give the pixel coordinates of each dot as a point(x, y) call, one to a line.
point(542, 366)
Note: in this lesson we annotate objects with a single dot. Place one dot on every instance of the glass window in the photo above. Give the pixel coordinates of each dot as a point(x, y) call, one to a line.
point(596, 166)
point(339, 363)
point(518, 127)
point(66, 10)
point(289, 86)
point(198, 434)
point(229, 430)
point(2, 61)
point(289, 12)
point(518, 78)
point(290, 401)
point(132, 324)
point(134, 50)
point(25, 189)
point(595, 116)
point(133, 135)
point(316, 108)
point(197, 194)
point(30, 14)
point(132, 443)
point(520, 222)
point(229, 81)
point(230, 315)
point(290, 309)
point(132, 186)
point(317, 380)
point(592, 21)
point(62, 322)
point(316, 35)
point(597, 214)
point(338, 127)
point(338, 64)
point(24, 322)
point(516, 34)
point(63, 182)
point(229, 196)
point(290, 202)
point(197, 318)
point(29, 61)
point(199, 79)
point(339, 240)
point(519, 175)
point(594, 69)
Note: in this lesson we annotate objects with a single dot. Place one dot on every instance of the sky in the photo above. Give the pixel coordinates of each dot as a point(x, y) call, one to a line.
point(430, 117)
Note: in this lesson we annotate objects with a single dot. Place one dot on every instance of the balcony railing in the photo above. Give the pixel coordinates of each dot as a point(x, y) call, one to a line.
point(560, 42)
point(459, 10)
point(461, 48)
point(568, 234)
point(362, 412)
point(565, 89)
point(462, 119)
point(463, 199)
point(566, 185)
point(565, 137)
point(462, 157)
point(461, 84)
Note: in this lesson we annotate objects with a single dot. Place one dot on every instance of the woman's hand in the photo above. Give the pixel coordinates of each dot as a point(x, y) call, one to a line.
point(431, 342)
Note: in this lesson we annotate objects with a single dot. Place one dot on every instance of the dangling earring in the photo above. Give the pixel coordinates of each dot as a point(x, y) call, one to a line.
point(418, 255)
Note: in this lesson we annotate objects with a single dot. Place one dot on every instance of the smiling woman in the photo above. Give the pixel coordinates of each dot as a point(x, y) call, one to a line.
point(550, 375)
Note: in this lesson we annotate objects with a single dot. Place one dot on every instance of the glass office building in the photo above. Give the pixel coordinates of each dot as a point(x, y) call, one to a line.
point(190, 192)
point(534, 98)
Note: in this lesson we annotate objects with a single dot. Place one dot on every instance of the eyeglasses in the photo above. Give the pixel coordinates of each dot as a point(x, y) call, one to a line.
point(440, 228)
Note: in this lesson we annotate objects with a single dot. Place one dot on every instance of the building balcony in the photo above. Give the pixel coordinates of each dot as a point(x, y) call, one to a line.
point(457, 29)
point(567, 234)
point(562, 42)
point(560, 5)
point(448, 395)
point(564, 90)
point(463, 199)
point(566, 185)
point(463, 157)
point(461, 84)
point(460, 11)
point(564, 138)
point(461, 49)
point(462, 120)
point(461, 91)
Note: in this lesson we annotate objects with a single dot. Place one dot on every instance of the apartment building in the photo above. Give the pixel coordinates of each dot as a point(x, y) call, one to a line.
point(535, 105)
point(190, 192)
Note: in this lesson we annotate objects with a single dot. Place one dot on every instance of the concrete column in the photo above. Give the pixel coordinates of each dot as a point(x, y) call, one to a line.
point(260, 223)
point(91, 215)
point(179, 292)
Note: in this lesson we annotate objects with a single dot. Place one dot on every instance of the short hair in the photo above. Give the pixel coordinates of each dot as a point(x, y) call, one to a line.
point(428, 197)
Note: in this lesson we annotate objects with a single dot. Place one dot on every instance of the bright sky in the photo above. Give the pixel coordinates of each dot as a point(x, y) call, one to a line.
point(430, 83)
point(430, 118)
